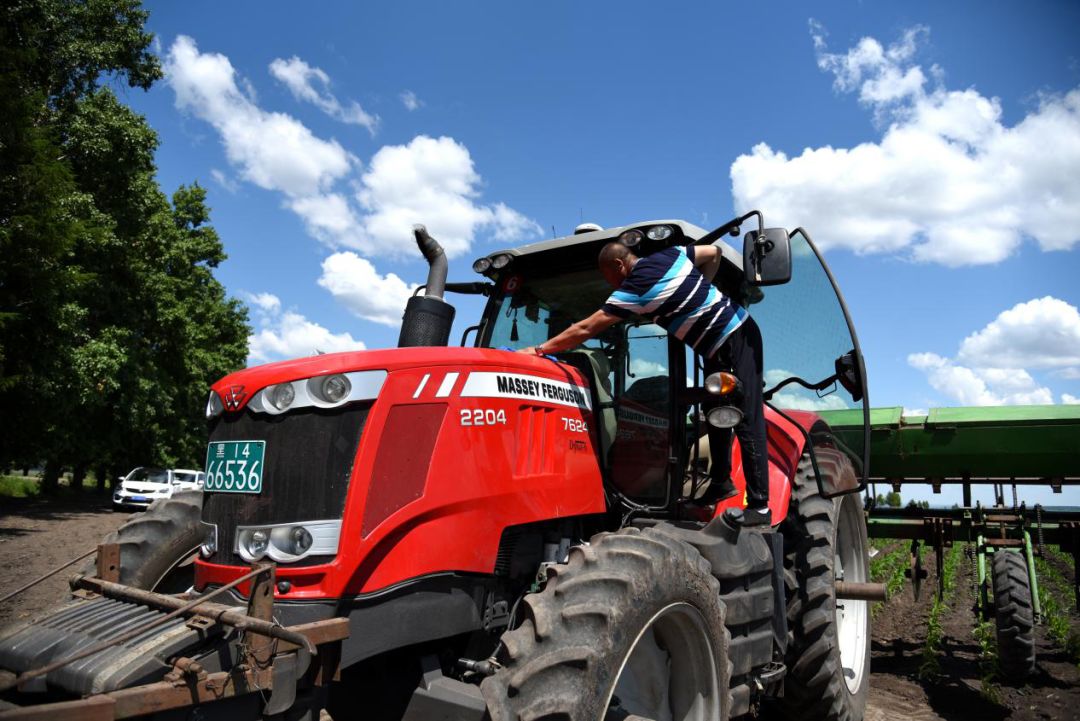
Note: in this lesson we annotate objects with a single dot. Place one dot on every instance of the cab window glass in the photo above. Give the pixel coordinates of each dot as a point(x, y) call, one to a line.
point(642, 409)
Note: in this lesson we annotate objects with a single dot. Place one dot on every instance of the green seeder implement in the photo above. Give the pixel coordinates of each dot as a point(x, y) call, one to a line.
point(1003, 447)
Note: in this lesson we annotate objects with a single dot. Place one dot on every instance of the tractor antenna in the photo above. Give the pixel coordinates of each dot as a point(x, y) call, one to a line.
point(553, 236)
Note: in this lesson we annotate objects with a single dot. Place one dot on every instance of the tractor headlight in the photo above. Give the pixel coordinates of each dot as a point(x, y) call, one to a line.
point(289, 541)
point(281, 396)
point(659, 232)
point(323, 391)
point(256, 544)
point(725, 416)
point(631, 238)
point(481, 265)
point(214, 406)
point(335, 388)
point(297, 541)
point(500, 261)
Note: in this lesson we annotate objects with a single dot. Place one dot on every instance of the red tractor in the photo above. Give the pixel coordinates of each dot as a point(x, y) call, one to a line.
point(489, 534)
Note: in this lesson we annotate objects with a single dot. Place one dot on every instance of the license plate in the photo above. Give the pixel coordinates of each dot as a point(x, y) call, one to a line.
point(139, 499)
point(235, 466)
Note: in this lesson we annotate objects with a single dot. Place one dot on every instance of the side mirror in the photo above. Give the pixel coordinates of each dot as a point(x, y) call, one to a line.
point(767, 257)
point(847, 372)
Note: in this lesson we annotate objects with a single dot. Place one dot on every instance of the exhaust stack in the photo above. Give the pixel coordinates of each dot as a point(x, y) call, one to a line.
point(428, 317)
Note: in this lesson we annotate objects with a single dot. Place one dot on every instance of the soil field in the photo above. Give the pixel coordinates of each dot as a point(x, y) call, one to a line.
point(36, 537)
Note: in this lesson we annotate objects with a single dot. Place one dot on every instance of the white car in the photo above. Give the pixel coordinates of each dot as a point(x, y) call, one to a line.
point(143, 486)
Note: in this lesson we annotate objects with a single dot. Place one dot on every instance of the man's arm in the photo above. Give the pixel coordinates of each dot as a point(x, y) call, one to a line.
point(576, 334)
point(707, 260)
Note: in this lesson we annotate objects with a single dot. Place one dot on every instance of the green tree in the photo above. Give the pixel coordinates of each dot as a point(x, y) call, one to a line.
point(111, 322)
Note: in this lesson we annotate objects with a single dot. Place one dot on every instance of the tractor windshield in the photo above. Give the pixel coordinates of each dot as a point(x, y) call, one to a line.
point(532, 310)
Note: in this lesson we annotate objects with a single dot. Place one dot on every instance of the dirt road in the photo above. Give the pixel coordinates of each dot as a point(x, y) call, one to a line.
point(35, 538)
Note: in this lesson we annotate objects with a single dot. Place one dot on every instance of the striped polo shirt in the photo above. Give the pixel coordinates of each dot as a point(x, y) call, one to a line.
point(666, 288)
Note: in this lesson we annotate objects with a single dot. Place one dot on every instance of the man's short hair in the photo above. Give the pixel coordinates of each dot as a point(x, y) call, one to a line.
point(614, 251)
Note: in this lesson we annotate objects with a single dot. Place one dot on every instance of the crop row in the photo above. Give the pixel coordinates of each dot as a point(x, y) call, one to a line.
point(888, 568)
point(930, 667)
point(1053, 586)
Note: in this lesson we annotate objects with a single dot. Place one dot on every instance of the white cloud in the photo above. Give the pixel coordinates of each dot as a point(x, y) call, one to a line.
point(800, 399)
point(1041, 333)
point(991, 365)
point(1070, 400)
point(272, 150)
point(312, 85)
point(947, 183)
point(223, 180)
point(799, 402)
point(282, 335)
point(648, 368)
point(354, 282)
point(430, 181)
point(267, 303)
point(1069, 374)
point(980, 386)
point(410, 101)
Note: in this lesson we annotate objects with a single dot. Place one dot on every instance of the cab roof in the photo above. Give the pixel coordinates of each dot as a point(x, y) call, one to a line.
point(685, 233)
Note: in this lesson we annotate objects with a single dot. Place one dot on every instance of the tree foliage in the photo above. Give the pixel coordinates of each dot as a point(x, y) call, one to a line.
point(112, 324)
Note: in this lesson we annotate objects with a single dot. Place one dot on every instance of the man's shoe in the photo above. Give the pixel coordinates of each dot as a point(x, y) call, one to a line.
point(719, 491)
point(757, 516)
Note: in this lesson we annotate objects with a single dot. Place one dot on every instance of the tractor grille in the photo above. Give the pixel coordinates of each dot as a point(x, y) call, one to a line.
point(309, 458)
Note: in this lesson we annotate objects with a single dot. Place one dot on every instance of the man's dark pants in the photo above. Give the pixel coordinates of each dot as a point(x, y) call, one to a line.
point(742, 354)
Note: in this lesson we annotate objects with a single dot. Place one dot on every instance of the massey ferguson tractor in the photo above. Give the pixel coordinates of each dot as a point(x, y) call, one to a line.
point(464, 533)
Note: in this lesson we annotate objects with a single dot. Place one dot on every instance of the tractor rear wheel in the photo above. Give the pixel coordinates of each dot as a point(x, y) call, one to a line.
point(1014, 615)
point(828, 656)
point(158, 546)
point(632, 623)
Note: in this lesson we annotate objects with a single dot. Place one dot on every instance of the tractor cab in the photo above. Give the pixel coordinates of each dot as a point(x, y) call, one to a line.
point(646, 411)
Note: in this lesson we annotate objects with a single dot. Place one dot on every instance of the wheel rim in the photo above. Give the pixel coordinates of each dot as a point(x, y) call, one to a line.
point(670, 672)
point(852, 617)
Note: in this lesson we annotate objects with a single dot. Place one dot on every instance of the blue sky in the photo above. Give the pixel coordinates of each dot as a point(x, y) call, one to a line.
point(931, 148)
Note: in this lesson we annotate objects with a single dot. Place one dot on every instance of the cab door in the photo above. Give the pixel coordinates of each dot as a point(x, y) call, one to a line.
point(640, 456)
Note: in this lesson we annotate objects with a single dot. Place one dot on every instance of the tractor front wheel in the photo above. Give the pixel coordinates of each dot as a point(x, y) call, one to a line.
point(632, 624)
point(1014, 615)
point(158, 546)
point(828, 655)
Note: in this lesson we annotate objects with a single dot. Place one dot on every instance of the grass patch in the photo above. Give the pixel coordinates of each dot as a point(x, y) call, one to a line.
point(18, 486)
point(930, 667)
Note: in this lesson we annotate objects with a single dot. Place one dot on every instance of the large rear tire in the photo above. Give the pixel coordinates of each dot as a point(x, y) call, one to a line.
point(1014, 615)
point(633, 622)
point(158, 547)
point(828, 655)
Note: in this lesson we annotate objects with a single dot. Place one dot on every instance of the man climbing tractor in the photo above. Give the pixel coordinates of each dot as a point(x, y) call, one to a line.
point(673, 288)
